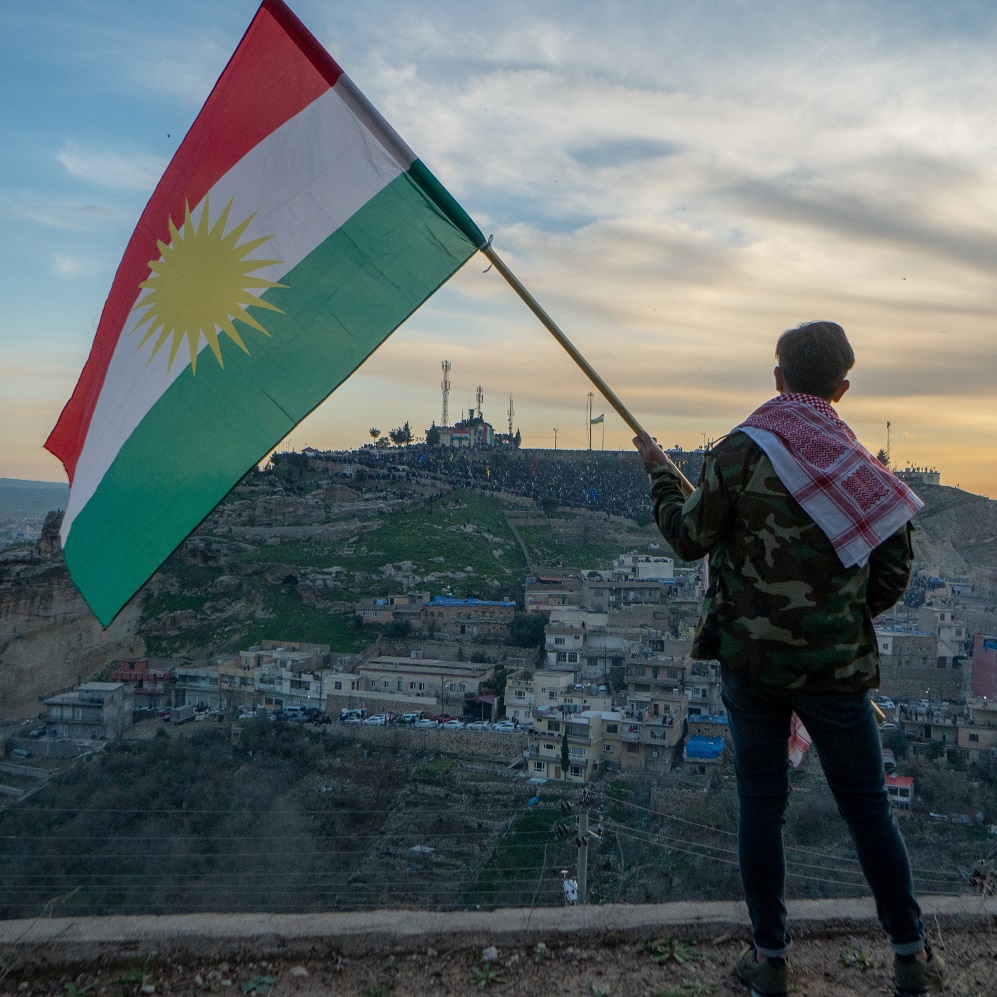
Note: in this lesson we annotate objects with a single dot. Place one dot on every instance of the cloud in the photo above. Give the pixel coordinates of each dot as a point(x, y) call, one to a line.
point(137, 171)
point(70, 265)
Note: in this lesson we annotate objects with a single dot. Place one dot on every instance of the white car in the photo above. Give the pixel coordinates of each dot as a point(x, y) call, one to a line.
point(505, 727)
point(377, 720)
point(454, 725)
point(478, 725)
point(425, 723)
point(354, 720)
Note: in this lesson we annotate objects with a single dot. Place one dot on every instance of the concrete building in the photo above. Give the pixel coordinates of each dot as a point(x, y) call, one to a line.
point(908, 664)
point(900, 789)
point(197, 685)
point(96, 711)
point(593, 743)
point(977, 737)
point(652, 729)
point(468, 617)
point(703, 760)
point(645, 567)
point(152, 681)
point(549, 591)
point(984, 666)
point(392, 607)
point(404, 685)
point(950, 632)
point(604, 591)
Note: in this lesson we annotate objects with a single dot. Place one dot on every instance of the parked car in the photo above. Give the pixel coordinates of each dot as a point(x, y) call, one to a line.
point(505, 727)
point(344, 715)
point(454, 725)
point(444, 718)
point(353, 720)
point(377, 720)
point(425, 723)
point(410, 718)
point(478, 725)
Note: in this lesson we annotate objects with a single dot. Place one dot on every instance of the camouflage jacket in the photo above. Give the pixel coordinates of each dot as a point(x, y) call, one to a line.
point(780, 608)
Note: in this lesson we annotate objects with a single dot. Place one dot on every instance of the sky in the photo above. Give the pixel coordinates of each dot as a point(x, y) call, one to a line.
point(675, 183)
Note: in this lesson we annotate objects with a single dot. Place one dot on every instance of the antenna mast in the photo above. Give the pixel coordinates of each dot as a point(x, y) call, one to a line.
point(479, 398)
point(512, 412)
point(445, 384)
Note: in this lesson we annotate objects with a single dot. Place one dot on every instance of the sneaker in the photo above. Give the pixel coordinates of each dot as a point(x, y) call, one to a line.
point(913, 978)
point(763, 979)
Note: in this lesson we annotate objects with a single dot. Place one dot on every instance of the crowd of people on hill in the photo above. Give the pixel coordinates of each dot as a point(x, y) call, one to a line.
point(607, 482)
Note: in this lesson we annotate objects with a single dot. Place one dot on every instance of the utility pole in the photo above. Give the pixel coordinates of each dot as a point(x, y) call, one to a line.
point(555, 437)
point(583, 856)
point(591, 396)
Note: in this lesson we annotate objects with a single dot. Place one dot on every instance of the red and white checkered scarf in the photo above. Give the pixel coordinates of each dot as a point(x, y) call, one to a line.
point(849, 494)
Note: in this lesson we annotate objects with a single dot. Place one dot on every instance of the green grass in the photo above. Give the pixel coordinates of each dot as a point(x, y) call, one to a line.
point(547, 546)
point(526, 863)
point(422, 535)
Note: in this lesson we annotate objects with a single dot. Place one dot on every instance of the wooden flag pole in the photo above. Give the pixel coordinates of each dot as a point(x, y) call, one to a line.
point(606, 391)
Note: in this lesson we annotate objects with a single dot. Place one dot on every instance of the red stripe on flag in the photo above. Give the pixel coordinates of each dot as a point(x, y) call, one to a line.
point(276, 71)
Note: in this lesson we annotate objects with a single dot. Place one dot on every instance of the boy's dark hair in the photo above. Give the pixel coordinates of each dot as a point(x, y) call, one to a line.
point(814, 357)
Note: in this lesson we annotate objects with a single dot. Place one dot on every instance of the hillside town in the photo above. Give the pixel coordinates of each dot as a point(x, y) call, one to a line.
point(611, 688)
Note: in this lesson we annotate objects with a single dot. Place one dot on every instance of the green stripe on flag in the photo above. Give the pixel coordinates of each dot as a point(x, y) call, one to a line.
point(203, 434)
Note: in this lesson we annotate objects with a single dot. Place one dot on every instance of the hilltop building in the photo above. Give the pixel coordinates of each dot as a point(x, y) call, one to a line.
point(915, 476)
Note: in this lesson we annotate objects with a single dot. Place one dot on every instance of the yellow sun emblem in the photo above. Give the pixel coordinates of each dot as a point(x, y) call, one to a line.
point(199, 286)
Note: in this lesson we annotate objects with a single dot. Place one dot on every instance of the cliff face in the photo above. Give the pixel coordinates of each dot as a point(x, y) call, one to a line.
point(49, 638)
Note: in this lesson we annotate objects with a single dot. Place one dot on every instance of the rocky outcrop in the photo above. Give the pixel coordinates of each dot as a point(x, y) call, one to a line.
point(49, 637)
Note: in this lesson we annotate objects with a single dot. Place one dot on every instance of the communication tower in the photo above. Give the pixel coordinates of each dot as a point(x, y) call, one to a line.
point(479, 398)
point(445, 384)
point(512, 412)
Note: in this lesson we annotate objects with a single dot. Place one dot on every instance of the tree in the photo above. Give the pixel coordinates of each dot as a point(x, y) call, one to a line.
point(374, 433)
point(565, 754)
point(527, 629)
point(402, 435)
point(433, 436)
point(518, 440)
point(883, 457)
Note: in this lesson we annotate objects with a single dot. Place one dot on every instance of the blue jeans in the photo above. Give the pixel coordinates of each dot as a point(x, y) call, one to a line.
point(846, 737)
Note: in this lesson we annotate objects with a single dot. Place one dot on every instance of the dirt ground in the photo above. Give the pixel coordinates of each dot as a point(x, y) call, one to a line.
point(829, 966)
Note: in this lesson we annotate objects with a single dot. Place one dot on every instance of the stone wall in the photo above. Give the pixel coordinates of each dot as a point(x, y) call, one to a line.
point(475, 743)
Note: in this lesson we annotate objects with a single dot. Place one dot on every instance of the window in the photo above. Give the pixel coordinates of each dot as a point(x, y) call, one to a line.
point(558, 640)
point(612, 728)
point(577, 771)
point(632, 749)
point(974, 738)
point(572, 657)
point(539, 766)
point(562, 657)
point(548, 747)
point(520, 694)
point(673, 673)
point(618, 663)
point(607, 748)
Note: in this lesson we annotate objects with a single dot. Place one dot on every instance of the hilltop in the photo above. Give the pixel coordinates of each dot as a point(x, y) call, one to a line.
point(291, 548)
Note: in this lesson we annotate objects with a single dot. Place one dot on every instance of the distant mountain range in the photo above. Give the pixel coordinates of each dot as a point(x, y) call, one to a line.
point(19, 498)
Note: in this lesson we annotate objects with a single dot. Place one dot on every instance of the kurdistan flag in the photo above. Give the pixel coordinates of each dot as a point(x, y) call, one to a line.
point(290, 235)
